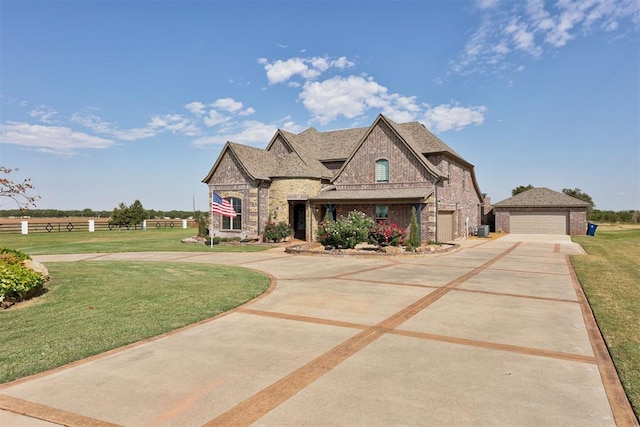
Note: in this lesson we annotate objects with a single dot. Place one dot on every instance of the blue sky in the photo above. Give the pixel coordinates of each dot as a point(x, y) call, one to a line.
point(106, 102)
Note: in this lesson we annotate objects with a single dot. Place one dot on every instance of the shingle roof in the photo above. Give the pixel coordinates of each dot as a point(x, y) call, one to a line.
point(541, 197)
point(257, 162)
point(312, 147)
point(423, 139)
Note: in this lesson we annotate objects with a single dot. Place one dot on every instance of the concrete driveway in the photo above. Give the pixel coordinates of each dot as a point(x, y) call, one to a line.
point(498, 333)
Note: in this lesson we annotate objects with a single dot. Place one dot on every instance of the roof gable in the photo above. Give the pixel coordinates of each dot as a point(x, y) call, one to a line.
point(255, 162)
point(432, 170)
point(541, 197)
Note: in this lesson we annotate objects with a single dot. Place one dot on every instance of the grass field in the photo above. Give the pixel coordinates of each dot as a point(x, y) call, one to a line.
point(92, 307)
point(610, 277)
point(150, 240)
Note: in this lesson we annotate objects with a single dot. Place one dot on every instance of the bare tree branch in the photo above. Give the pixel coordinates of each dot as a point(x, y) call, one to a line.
point(17, 191)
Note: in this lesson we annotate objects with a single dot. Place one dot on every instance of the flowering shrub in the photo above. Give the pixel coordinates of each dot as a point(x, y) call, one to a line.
point(345, 232)
point(386, 234)
point(15, 279)
point(277, 232)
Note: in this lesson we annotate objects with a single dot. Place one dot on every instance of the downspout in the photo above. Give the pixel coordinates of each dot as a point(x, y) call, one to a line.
point(259, 184)
point(438, 181)
point(436, 208)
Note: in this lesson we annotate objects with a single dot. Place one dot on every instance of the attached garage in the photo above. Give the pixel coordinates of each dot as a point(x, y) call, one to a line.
point(541, 211)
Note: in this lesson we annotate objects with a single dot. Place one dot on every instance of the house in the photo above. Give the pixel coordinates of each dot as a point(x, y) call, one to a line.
point(541, 211)
point(383, 170)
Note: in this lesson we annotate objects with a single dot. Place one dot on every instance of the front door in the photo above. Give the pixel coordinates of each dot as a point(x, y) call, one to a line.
point(300, 221)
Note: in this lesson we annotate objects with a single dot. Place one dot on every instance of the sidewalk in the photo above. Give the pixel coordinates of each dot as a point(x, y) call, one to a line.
point(498, 333)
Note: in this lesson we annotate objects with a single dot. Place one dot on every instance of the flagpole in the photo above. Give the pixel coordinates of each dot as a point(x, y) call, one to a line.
point(211, 224)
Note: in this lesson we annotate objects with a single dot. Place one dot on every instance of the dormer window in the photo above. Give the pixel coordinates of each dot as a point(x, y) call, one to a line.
point(382, 170)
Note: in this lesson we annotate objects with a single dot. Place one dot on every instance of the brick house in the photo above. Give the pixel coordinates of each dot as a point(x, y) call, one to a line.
point(383, 170)
point(541, 211)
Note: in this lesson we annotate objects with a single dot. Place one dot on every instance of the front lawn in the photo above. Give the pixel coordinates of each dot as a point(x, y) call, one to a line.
point(150, 240)
point(92, 307)
point(610, 277)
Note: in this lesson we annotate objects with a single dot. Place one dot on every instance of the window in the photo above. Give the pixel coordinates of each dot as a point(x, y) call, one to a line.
point(233, 223)
point(382, 212)
point(382, 170)
point(330, 212)
point(464, 179)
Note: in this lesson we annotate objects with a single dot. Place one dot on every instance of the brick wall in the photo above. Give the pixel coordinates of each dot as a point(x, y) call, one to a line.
point(382, 143)
point(230, 180)
point(458, 194)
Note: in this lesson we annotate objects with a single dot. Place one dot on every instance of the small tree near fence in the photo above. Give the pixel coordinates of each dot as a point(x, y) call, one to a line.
point(126, 216)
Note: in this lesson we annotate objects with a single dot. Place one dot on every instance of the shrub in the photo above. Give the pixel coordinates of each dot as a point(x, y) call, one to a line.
point(15, 279)
point(345, 232)
point(386, 234)
point(276, 232)
point(203, 225)
point(414, 233)
point(15, 253)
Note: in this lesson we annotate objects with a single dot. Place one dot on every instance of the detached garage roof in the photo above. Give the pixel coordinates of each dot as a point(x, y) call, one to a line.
point(541, 198)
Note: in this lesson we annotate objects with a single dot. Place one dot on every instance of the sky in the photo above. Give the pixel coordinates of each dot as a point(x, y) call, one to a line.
point(103, 102)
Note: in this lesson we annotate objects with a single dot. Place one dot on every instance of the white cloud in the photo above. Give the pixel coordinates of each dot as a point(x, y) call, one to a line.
point(61, 141)
point(43, 114)
point(227, 104)
point(175, 123)
point(510, 28)
point(196, 108)
point(249, 132)
point(103, 127)
point(215, 118)
point(308, 68)
point(341, 96)
point(486, 4)
point(354, 96)
point(445, 117)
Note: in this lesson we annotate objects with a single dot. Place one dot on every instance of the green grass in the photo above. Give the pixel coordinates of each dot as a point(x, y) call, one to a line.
point(149, 240)
point(610, 277)
point(92, 307)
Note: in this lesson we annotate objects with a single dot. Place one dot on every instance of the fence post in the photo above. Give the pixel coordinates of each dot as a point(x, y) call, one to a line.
point(144, 224)
point(25, 227)
point(92, 225)
point(184, 223)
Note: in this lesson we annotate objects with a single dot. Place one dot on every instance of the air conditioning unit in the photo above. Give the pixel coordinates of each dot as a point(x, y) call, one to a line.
point(483, 231)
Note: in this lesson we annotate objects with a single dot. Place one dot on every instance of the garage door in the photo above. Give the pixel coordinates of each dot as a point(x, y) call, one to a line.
point(445, 227)
point(538, 223)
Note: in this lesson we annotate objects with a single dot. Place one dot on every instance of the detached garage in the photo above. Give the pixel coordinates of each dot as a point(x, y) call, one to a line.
point(541, 211)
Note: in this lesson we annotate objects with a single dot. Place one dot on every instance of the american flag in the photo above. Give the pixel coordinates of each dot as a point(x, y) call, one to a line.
point(222, 206)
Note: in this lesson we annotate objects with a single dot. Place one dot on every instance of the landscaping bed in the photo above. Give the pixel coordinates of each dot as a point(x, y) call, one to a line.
point(315, 248)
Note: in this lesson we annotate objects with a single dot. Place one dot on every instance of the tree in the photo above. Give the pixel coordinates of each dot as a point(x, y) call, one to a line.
point(521, 188)
point(414, 231)
point(120, 215)
point(127, 216)
point(18, 192)
point(137, 214)
point(578, 194)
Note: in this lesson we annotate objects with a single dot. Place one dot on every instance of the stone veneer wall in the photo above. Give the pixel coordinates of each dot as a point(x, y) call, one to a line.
point(282, 190)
